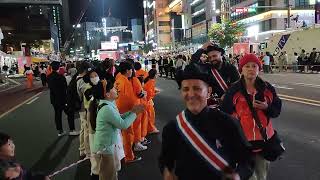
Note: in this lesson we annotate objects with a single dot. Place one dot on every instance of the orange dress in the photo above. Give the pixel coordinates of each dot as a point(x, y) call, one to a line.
point(125, 102)
point(150, 88)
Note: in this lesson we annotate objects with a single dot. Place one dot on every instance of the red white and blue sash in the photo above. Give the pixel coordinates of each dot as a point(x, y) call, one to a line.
point(200, 145)
point(219, 79)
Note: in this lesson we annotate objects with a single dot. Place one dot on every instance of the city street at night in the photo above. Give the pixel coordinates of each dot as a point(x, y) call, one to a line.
point(32, 128)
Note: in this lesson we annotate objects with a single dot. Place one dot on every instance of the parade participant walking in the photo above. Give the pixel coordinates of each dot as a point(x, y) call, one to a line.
point(58, 91)
point(29, 75)
point(150, 88)
point(125, 103)
point(223, 73)
point(254, 102)
point(203, 143)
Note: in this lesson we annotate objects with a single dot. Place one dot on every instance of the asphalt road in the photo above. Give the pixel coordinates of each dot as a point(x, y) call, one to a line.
point(38, 147)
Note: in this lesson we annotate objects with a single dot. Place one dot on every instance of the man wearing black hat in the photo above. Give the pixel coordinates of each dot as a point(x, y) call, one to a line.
point(224, 73)
point(203, 143)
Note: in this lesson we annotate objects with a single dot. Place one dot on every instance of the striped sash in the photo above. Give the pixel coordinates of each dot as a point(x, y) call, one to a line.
point(219, 79)
point(200, 145)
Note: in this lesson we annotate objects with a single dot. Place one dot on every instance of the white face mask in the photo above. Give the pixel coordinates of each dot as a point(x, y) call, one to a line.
point(95, 80)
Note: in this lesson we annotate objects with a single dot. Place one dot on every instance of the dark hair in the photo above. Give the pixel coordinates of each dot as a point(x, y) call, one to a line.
point(295, 53)
point(55, 65)
point(303, 50)
point(4, 139)
point(98, 90)
point(82, 66)
point(124, 66)
point(137, 66)
point(151, 75)
point(86, 78)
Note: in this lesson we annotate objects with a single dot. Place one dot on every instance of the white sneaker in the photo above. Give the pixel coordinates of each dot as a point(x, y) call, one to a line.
point(61, 133)
point(74, 133)
point(139, 147)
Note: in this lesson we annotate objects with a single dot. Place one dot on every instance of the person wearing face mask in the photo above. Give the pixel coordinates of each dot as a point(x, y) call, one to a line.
point(93, 82)
point(223, 73)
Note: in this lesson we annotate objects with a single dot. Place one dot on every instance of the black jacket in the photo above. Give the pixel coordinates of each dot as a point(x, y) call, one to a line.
point(58, 89)
point(214, 126)
point(228, 72)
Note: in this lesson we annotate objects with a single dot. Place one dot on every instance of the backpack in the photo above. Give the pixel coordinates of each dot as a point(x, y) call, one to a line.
point(73, 100)
point(93, 110)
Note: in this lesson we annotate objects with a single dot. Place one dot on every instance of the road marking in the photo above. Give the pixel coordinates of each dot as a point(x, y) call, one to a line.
point(308, 85)
point(313, 104)
point(32, 100)
point(4, 84)
point(19, 105)
point(9, 88)
point(13, 81)
point(281, 87)
point(299, 98)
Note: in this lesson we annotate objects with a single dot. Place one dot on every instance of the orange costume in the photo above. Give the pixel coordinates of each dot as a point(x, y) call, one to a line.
point(125, 103)
point(151, 93)
point(29, 75)
point(141, 73)
point(137, 88)
point(49, 70)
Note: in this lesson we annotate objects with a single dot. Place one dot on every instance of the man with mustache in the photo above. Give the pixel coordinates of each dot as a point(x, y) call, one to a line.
point(224, 73)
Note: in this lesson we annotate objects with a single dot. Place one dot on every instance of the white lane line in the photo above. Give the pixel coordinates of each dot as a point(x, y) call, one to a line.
point(9, 88)
point(281, 87)
point(19, 105)
point(4, 84)
point(307, 85)
point(30, 102)
point(13, 81)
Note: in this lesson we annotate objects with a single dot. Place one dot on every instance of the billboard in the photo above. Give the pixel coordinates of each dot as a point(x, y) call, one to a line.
point(108, 45)
point(31, 2)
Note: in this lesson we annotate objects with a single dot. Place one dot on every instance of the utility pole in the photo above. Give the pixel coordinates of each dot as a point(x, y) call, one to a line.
point(289, 13)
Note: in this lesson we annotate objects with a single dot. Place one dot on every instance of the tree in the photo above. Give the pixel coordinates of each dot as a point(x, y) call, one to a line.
point(226, 34)
point(147, 47)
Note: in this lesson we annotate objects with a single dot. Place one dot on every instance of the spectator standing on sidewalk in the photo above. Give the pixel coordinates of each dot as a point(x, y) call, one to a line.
point(252, 96)
point(312, 58)
point(84, 148)
point(10, 169)
point(58, 94)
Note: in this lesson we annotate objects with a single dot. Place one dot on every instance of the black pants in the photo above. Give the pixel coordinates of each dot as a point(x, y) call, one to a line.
point(43, 79)
point(160, 70)
point(58, 118)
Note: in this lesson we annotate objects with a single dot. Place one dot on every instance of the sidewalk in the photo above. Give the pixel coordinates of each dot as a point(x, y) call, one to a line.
point(14, 92)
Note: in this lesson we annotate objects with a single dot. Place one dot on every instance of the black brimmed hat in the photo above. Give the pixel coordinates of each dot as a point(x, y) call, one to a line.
point(215, 47)
point(194, 71)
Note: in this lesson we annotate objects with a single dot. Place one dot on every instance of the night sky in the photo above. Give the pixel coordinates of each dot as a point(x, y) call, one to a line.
point(124, 9)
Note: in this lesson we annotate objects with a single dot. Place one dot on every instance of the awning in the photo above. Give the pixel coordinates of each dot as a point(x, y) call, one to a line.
point(38, 60)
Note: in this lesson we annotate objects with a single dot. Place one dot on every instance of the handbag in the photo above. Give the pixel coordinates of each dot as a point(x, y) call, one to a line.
point(273, 148)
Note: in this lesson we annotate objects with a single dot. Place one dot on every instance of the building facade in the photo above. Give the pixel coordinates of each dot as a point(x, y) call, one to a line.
point(136, 26)
point(263, 18)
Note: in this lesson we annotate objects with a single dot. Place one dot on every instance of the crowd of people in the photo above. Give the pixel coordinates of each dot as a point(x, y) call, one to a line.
point(224, 132)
